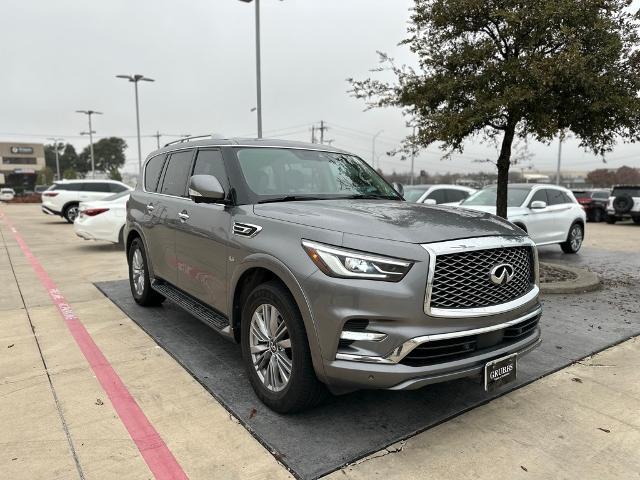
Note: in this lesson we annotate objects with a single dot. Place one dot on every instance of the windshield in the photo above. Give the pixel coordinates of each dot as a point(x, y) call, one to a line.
point(282, 174)
point(117, 196)
point(413, 194)
point(488, 196)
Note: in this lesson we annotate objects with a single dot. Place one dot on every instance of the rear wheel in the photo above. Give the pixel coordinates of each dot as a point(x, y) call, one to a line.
point(636, 220)
point(276, 351)
point(70, 212)
point(139, 279)
point(574, 239)
point(611, 219)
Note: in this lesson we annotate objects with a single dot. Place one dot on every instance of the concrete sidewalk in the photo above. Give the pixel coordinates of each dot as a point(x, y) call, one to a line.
point(581, 422)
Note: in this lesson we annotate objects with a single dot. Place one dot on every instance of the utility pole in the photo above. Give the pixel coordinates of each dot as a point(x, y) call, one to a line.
point(413, 155)
point(322, 128)
point(560, 140)
point(373, 149)
point(88, 113)
point(313, 133)
point(55, 147)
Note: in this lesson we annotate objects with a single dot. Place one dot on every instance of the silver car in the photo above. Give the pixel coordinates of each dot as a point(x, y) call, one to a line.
point(328, 279)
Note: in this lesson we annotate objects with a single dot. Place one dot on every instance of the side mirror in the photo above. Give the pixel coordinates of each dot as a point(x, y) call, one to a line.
point(430, 201)
point(538, 205)
point(398, 188)
point(205, 189)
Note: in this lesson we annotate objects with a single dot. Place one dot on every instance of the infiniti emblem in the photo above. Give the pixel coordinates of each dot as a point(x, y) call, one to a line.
point(501, 274)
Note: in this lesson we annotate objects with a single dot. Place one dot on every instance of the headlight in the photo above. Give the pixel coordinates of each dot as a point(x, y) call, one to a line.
point(337, 262)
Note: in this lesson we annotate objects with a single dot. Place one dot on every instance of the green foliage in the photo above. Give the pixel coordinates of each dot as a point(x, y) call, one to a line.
point(108, 154)
point(45, 176)
point(70, 174)
point(502, 69)
point(114, 174)
point(67, 157)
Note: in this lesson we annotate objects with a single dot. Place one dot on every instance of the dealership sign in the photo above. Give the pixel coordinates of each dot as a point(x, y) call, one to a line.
point(21, 149)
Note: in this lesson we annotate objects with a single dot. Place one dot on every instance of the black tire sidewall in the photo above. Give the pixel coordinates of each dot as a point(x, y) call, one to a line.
point(280, 298)
point(566, 246)
point(137, 245)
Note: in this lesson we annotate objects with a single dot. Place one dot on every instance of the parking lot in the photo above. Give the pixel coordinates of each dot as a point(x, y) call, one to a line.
point(93, 395)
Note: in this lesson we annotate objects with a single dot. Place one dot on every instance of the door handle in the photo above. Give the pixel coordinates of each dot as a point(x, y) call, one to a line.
point(184, 216)
point(150, 207)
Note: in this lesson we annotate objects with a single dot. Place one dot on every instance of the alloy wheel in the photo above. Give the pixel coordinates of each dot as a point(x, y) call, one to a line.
point(575, 237)
point(137, 271)
point(72, 214)
point(270, 347)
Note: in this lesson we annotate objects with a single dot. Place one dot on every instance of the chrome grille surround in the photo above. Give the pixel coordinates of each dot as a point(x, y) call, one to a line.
point(490, 251)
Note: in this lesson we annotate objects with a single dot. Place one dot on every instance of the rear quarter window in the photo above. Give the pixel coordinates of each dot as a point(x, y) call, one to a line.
point(152, 172)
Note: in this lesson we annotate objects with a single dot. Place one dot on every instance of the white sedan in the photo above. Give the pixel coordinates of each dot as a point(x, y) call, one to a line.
point(548, 213)
point(436, 194)
point(102, 219)
point(7, 194)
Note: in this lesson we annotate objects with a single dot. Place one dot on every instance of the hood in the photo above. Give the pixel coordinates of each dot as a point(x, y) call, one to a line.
point(511, 211)
point(391, 220)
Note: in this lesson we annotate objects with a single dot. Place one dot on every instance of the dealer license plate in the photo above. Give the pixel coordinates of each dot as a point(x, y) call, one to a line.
point(500, 372)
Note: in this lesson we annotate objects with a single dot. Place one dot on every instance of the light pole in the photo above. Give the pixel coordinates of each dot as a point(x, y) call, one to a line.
point(560, 140)
point(373, 149)
point(258, 73)
point(413, 155)
point(135, 79)
point(88, 113)
point(55, 147)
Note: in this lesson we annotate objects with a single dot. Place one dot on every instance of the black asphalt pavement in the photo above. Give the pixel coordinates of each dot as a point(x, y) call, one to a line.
point(349, 427)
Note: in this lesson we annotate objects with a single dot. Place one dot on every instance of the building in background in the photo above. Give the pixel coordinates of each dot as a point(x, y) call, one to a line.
point(20, 164)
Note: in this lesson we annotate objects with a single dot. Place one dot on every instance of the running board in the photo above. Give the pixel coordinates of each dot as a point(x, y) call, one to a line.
point(195, 307)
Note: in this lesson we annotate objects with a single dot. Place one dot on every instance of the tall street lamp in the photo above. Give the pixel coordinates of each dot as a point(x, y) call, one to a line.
point(135, 79)
point(88, 113)
point(258, 73)
point(55, 141)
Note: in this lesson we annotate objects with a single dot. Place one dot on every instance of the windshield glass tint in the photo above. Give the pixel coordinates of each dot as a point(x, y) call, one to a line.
point(413, 194)
point(488, 196)
point(281, 172)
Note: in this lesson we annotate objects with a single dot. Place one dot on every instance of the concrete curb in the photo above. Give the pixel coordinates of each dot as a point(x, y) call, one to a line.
point(586, 281)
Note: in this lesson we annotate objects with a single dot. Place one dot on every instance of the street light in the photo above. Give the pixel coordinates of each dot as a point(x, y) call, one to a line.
point(373, 149)
point(135, 79)
point(55, 141)
point(88, 113)
point(258, 73)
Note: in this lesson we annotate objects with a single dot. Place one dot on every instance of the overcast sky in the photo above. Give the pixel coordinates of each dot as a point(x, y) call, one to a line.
point(61, 56)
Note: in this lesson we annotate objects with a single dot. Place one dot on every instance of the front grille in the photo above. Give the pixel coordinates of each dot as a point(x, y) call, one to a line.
point(440, 351)
point(462, 280)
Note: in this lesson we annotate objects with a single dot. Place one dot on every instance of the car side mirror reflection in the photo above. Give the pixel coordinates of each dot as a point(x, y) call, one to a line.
point(205, 189)
point(430, 201)
point(538, 205)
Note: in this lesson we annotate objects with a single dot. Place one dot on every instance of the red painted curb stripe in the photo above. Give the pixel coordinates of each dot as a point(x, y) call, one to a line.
point(155, 452)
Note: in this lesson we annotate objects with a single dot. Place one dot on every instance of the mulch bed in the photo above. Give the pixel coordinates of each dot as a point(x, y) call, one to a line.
point(550, 273)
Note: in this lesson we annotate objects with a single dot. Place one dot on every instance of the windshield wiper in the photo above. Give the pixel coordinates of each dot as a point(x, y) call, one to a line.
point(372, 196)
point(290, 198)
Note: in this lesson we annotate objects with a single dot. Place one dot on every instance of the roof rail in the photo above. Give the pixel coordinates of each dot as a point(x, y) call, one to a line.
point(195, 137)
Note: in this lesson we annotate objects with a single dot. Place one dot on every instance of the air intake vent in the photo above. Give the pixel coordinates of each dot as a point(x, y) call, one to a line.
point(246, 229)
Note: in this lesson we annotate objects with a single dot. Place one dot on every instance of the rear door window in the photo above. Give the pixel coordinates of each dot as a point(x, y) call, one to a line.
point(152, 172)
point(176, 174)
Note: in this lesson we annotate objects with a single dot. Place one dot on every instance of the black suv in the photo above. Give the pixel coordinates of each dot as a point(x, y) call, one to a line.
point(624, 203)
point(594, 202)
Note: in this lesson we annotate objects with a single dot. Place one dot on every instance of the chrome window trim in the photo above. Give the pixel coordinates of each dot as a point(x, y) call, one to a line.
point(472, 244)
point(398, 353)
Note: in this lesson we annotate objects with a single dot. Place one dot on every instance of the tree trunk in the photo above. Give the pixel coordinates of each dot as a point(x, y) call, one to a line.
point(504, 161)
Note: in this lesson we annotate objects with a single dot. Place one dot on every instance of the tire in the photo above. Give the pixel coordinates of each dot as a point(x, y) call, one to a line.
point(267, 366)
point(611, 219)
point(70, 212)
point(636, 220)
point(597, 215)
point(139, 280)
point(574, 240)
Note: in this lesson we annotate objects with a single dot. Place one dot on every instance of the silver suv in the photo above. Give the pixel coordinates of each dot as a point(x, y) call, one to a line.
point(327, 278)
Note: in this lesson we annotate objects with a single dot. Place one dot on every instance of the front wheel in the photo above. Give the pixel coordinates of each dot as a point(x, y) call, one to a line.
point(139, 279)
point(574, 239)
point(276, 351)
